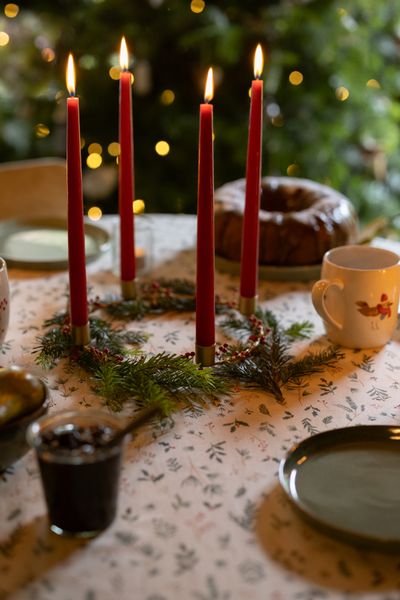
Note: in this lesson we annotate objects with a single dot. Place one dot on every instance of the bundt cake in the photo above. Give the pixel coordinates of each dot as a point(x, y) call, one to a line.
point(299, 221)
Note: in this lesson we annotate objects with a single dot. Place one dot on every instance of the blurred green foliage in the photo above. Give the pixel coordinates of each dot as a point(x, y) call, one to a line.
point(340, 125)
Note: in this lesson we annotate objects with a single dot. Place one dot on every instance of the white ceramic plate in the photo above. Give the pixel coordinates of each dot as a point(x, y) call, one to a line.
point(43, 243)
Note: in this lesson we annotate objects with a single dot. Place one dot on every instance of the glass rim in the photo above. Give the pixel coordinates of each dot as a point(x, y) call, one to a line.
point(44, 423)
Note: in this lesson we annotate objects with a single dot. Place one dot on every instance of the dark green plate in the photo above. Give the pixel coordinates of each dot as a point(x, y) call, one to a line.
point(347, 483)
point(41, 243)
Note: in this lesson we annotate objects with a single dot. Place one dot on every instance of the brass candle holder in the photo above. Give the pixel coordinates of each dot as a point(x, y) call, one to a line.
point(130, 289)
point(205, 355)
point(248, 306)
point(80, 335)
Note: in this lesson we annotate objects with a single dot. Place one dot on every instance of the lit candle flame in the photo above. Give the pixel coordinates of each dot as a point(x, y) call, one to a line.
point(209, 93)
point(71, 75)
point(258, 62)
point(123, 55)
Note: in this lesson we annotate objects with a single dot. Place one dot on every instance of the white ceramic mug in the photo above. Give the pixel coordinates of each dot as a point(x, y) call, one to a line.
point(4, 300)
point(358, 295)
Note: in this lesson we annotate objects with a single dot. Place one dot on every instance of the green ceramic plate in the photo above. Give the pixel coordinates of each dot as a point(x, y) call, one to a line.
point(42, 243)
point(270, 273)
point(347, 482)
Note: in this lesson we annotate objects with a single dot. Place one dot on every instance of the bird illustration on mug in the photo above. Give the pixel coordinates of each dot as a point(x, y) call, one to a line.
point(381, 310)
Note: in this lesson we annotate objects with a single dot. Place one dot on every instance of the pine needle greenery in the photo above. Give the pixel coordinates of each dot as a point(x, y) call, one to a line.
point(105, 340)
point(168, 380)
point(264, 359)
point(156, 297)
point(119, 374)
point(258, 356)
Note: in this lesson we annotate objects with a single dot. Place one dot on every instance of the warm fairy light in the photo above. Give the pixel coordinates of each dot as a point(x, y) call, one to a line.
point(114, 149)
point(138, 206)
point(94, 160)
point(123, 55)
point(373, 83)
point(94, 147)
point(167, 97)
point(48, 54)
point(71, 75)
point(95, 213)
point(209, 93)
point(342, 93)
point(293, 170)
point(197, 6)
point(4, 38)
point(115, 73)
point(41, 130)
point(162, 148)
point(258, 62)
point(296, 78)
point(11, 10)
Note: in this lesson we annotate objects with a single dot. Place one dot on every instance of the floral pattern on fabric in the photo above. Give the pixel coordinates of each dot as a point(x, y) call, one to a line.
point(201, 514)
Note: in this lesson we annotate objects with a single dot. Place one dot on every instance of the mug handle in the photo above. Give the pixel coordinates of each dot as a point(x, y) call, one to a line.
point(318, 299)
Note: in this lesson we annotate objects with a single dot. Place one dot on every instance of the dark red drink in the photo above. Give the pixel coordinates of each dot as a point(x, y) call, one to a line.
point(79, 474)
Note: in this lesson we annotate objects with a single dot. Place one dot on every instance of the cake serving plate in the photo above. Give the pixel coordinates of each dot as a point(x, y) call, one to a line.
point(42, 243)
point(272, 273)
point(346, 482)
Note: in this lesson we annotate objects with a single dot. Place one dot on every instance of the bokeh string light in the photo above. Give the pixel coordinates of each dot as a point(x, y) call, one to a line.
point(95, 148)
point(4, 38)
point(11, 10)
point(322, 100)
point(342, 93)
point(95, 213)
point(197, 6)
point(138, 206)
point(94, 160)
point(162, 148)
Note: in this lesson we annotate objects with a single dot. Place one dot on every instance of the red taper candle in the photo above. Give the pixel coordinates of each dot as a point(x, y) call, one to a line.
point(205, 297)
point(76, 234)
point(251, 227)
point(126, 178)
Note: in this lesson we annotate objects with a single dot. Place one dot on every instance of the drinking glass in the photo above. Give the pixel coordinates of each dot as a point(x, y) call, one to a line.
point(80, 485)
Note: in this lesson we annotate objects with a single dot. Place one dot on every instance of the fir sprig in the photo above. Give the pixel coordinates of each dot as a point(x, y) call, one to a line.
point(118, 375)
point(105, 340)
point(264, 360)
point(244, 327)
point(259, 356)
point(155, 297)
point(166, 379)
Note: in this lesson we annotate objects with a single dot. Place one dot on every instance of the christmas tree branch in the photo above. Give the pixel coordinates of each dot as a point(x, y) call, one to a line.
point(258, 356)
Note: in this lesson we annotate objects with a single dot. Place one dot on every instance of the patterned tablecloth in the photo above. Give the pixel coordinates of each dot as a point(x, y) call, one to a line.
point(201, 514)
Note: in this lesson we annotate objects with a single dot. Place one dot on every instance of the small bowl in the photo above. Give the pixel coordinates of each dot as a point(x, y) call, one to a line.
point(13, 443)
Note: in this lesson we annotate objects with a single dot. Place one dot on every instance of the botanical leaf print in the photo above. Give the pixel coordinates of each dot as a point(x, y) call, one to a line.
point(201, 515)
